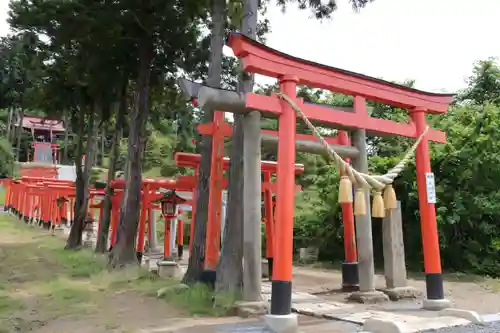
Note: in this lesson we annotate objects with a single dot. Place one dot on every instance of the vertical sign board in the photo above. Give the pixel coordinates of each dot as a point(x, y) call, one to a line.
point(430, 187)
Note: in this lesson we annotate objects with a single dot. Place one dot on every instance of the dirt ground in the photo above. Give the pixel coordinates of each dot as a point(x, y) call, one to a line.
point(466, 292)
point(45, 289)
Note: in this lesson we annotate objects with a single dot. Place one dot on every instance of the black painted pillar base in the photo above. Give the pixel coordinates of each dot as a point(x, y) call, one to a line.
point(350, 276)
point(40, 222)
point(434, 286)
point(5, 208)
point(26, 219)
point(281, 297)
point(110, 248)
point(139, 256)
point(180, 251)
point(270, 267)
point(208, 277)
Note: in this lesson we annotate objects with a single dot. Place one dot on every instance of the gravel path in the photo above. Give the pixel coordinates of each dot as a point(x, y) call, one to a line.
point(492, 327)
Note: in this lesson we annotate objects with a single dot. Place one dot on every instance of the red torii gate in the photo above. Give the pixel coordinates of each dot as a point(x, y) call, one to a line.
point(220, 129)
point(212, 248)
point(259, 59)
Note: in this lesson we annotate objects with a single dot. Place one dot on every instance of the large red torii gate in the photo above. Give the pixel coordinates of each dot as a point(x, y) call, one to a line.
point(259, 59)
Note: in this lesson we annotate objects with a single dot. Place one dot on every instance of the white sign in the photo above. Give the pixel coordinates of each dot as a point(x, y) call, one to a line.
point(430, 186)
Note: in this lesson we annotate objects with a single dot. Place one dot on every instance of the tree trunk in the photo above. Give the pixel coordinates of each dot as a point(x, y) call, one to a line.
point(230, 269)
point(123, 251)
point(101, 150)
point(197, 255)
point(242, 226)
point(66, 137)
point(252, 179)
point(9, 124)
point(19, 133)
point(102, 238)
point(83, 182)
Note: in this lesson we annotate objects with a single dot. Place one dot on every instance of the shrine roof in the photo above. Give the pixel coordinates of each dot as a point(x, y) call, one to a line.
point(42, 124)
point(275, 61)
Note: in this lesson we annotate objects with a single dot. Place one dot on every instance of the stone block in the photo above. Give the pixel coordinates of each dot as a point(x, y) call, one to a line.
point(401, 293)
point(471, 316)
point(169, 269)
point(265, 268)
point(251, 309)
point(368, 297)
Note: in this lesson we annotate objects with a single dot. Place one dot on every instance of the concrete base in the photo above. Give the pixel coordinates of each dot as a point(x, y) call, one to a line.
point(251, 309)
point(436, 304)
point(368, 297)
point(384, 326)
point(400, 293)
point(282, 323)
point(471, 316)
point(169, 269)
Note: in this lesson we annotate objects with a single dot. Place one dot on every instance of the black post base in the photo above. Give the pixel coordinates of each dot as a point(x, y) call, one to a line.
point(270, 268)
point(139, 256)
point(5, 208)
point(350, 276)
point(26, 219)
point(281, 297)
point(41, 222)
point(434, 286)
point(180, 251)
point(110, 248)
point(208, 277)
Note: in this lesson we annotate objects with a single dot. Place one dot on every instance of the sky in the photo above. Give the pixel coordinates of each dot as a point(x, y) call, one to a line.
point(434, 42)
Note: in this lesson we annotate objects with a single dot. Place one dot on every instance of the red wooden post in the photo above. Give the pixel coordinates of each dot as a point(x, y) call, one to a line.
point(281, 300)
point(166, 240)
point(142, 221)
point(193, 212)
point(212, 247)
point(269, 222)
point(180, 237)
point(350, 279)
point(430, 237)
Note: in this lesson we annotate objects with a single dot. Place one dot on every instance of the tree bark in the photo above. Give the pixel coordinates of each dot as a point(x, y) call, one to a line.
point(9, 124)
point(83, 181)
point(252, 180)
point(19, 133)
point(123, 251)
point(102, 238)
point(66, 137)
point(197, 255)
point(242, 227)
point(230, 269)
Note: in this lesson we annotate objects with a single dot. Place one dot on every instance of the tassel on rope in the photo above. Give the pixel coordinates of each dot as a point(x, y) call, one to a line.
point(360, 202)
point(390, 201)
point(378, 209)
point(345, 190)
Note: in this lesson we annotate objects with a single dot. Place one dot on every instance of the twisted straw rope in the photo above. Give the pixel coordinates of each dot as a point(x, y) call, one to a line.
point(377, 182)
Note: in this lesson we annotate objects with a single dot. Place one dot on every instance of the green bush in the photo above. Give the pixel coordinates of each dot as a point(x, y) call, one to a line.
point(6, 158)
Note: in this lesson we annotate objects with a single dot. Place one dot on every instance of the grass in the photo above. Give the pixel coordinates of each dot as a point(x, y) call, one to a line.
point(41, 281)
point(2, 195)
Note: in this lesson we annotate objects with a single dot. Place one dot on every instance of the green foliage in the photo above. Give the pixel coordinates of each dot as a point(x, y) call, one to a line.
point(466, 172)
point(7, 158)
